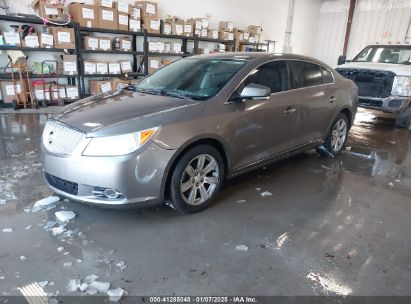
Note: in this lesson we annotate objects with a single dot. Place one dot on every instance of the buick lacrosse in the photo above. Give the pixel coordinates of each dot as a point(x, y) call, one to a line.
point(176, 135)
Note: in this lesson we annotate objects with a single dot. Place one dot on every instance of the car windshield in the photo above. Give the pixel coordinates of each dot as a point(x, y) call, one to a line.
point(193, 78)
point(385, 54)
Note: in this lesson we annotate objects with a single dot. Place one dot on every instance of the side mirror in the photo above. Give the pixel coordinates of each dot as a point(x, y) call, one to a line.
point(253, 91)
point(342, 59)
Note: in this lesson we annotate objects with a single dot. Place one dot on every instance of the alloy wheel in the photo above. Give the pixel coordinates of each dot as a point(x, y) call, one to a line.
point(200, 179)
point(338, 135)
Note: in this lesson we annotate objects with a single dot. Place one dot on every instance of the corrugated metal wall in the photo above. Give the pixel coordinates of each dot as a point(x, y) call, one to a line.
point(381, 21)
point(374, 21)
point(331, 30)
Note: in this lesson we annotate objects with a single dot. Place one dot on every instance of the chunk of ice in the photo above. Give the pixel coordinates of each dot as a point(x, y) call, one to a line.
point(266, 194)
point(65, 216)
point(7, 230)
point(102, 287)
point(115, 294)
point(45, 202)
point(241, 247)
point(67, 264)
point(73, 285)
point(28, 227)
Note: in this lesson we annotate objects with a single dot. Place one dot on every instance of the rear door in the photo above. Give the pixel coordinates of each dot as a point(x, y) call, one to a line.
point(265, 127)
point(315, 93)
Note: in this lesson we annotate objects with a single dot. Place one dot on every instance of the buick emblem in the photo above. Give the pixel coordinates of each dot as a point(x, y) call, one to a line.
point(50, 140)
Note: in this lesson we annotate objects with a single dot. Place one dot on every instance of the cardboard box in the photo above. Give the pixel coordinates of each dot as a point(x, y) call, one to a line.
point(99, 86)
point(167, 28)
point(177, 27)
point(246, 35)
point(117, 83)
point(152, 46)
point(165, 62)
point(8, 91)
point(38, 90)
point(123, 7)
point(204, 33)
point(104, 3)
point(226, 36)
point(147, 9)
point(176, 48)
point(58, 92)
point(46, 40)
point(238, 35)
point(90, 67)
point(213, 34)
point(107, 18)
point(135, 12)
point(154, 63)
point(125, 66)
point(85, 14)
point(63, 38)
point(189, 27)
point(123, 22)
point(167, 47)
point(90, 43)
point(125, 44)
point(50, 12)
point(31, 40)
point(71, 92)
point(203, 51)
point(70, 64)
point(134, 24)
point(114, 68)
point(254, 29)
point(226, 26)
point(251, 39)
point(11, 38)
point(101, 67)
point(104, 43)
point(152, 25)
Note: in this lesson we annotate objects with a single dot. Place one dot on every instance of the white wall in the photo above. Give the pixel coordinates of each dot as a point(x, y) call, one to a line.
point(270, 14)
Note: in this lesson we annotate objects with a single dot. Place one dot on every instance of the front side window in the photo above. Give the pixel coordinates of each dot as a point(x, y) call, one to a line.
point(194, 78)
point(306, 74)
point(273, 75)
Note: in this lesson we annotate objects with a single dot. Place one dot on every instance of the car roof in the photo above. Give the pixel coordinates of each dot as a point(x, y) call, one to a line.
point(251, 56)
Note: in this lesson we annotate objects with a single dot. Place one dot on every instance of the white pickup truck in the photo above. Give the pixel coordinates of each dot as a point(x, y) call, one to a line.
point(383, 76)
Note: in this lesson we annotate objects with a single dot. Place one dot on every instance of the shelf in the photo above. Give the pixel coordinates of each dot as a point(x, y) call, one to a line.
point(110, 52)
point(131, 74)
point(26, 19)
point(203, 39)
point(170, 36)
point(30, 49)
point(168, 54)
point(35, 76)
point(108, 31)
point(252, 43)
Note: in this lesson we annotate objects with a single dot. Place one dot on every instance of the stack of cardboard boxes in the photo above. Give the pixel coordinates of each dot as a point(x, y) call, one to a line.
point(104, 86)
point(149, 16)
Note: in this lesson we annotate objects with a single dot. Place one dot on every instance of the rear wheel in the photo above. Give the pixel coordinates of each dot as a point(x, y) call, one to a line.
point(403, 119)
point(196, 179)
point(338, 134)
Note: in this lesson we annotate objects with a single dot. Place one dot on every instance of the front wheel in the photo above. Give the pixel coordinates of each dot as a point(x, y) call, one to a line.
point(338, 134)
point(196, 179)
point(403, 119)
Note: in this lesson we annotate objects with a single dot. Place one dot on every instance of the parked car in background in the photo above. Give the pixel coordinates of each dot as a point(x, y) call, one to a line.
point(383, 76)
point(176, 135)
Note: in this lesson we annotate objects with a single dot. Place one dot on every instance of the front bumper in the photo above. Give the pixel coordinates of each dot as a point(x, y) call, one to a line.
point(391, 104)
point(139, 176)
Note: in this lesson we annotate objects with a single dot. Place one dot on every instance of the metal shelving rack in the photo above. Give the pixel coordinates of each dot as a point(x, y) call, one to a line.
point(71, 79)
point(137, 72)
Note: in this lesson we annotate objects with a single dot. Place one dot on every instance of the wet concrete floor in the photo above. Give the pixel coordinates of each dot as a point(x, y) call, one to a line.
point(331, 226)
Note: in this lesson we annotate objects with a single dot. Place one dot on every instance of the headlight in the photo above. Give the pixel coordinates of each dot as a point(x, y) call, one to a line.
point(401, 86)
point(119, 144)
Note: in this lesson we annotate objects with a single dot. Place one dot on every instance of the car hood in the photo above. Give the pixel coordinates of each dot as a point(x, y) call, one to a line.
point(398, 69)
point(125, 112)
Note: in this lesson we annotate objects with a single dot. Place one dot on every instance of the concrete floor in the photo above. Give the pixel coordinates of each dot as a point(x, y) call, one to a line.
point(331, 226)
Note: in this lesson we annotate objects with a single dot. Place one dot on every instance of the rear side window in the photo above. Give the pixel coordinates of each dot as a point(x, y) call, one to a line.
point(327, 76)
point(273, 75)
point(305, 74)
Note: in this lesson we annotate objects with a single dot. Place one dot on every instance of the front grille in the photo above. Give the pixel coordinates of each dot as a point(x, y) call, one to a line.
point(370, 102)
point(371, 83)
point(60, 139)
point(61, 184)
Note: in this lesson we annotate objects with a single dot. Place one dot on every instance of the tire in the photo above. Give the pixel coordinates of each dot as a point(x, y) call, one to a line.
point(198, 193)
point(336, 140)
point(403, 119)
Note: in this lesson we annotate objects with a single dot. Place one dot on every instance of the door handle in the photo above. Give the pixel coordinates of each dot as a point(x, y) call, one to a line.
point(332, 99)
point(289, 110)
